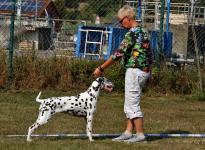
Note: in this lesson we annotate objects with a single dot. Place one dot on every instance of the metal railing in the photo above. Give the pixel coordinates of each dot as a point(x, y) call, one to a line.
point(179, 12)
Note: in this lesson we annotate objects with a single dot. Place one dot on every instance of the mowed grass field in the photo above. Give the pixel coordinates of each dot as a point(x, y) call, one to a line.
point(163, 114)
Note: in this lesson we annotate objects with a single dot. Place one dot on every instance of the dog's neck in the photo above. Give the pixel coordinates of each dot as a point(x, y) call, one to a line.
point(94, 91)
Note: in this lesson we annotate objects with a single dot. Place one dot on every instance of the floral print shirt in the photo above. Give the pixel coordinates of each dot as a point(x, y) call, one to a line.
point(134, 51)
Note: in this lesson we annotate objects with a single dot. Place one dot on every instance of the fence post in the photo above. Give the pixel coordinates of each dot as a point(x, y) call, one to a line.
point(200, 84)
point(11, 45)
point(161, 35)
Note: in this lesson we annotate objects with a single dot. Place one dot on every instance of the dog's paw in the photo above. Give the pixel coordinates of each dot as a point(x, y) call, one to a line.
point(29, 140)
point(91, 140)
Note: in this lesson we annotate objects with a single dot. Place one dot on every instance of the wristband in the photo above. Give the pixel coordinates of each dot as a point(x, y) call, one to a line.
point(100, 68)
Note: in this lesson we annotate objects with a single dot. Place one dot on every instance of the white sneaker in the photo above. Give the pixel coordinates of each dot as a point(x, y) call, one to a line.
point(136, 138)
point(122, 137)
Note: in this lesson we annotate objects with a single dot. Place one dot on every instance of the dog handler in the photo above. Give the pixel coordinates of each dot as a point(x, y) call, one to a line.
point(135, 54)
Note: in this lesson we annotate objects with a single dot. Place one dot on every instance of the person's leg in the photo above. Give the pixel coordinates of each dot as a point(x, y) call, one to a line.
point(133, 80)
point(127, 134)
point(129, 126)
point(138, 123)
point(138, 119)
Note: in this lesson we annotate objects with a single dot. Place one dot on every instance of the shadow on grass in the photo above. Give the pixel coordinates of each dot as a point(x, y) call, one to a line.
point(85, 138)
point(163, 135)
point(70, 138)
point(153, 138)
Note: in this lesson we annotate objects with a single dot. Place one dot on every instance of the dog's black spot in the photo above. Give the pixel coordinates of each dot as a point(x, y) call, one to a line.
point(86, 103)
point(59, 103)
point(43, 110)
point(76, 104)
point(61, 106)
point(72, 103)
point(80, 103)
point(76, 100)
point(64, 102)
point(32, 126)
point(52, 106)
point(90, 106)
point(86, 99)
point(91, 99)
point(91, 94)
point(82, 100)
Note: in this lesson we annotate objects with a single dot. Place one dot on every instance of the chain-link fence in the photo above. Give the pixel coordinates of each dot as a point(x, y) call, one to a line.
point(53, 25)
point(49, 27)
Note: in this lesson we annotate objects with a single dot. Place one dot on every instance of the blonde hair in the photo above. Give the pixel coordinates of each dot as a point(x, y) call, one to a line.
point(126, 11)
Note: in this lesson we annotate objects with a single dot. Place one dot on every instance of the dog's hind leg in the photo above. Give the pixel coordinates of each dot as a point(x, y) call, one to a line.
point(43, 118)
point(89, 126)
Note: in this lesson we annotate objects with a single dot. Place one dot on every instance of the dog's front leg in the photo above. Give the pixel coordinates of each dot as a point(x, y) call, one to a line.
point(89, 126)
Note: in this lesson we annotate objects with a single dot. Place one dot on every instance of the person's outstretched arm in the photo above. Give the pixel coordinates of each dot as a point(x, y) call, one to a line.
point(98, 71)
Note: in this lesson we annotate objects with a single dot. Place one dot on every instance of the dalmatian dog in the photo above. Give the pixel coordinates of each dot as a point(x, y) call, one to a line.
point(82, 105)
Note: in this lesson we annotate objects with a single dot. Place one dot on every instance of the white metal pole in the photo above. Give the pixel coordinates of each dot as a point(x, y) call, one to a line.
point(192, 11)
point(101, 40)
point(110, 135)
point(19, 12)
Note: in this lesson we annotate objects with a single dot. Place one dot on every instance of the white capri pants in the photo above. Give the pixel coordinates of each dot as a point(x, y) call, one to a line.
point(134, 81)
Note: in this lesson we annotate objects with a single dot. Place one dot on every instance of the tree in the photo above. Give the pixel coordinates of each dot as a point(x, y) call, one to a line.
point(102, 8)
point(60, 5)
point(72, 3)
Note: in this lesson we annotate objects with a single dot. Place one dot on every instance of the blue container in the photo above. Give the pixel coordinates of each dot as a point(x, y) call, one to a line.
point(91, 39)
point(167, 45)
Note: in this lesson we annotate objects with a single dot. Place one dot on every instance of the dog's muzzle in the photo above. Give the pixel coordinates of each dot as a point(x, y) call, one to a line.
point(104, 84)
point(108, 86)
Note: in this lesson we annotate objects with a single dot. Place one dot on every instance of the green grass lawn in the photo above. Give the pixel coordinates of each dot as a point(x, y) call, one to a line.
point(162, 114)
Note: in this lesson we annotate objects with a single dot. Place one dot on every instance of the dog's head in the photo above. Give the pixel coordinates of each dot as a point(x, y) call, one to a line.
point(102, 83)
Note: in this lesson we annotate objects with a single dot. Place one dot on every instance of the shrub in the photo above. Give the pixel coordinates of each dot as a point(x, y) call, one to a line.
point(176, 80)
point(31, 72)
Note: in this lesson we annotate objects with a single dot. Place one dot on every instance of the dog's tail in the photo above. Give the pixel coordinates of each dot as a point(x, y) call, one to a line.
point(37, 98)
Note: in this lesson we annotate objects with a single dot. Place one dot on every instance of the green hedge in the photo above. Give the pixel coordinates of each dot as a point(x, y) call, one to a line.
point(71, 73)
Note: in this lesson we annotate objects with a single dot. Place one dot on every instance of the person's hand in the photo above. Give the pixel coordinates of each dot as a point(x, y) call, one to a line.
point(97, 73)
point(145, 45)
point(150, 80)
